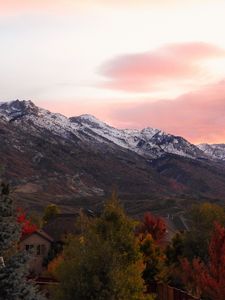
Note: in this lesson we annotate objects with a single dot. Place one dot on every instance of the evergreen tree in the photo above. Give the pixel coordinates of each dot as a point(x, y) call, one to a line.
point(13, 270)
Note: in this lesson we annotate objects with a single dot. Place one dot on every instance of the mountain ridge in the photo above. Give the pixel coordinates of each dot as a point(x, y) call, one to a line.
point(148, 142)
point(77, 161)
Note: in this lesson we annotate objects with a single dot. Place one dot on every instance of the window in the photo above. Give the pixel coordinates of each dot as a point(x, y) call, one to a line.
point(29, 248)
point(40, 249)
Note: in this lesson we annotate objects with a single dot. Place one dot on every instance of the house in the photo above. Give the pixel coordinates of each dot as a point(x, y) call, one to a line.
point(45, 244)
point(39, 243)
point(61, 225)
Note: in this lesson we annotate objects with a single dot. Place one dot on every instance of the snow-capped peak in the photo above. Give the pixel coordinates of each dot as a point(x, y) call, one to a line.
point(17, 104)
point(87, 117)
point(148, 142)
point(16, 108)
point(89, 120)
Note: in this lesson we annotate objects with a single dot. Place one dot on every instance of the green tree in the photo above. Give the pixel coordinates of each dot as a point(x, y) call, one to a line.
point(193, 245)
point(174, 253)
point(50, 212)
point(175, 250)
point(104, 262)
point(13, 268)
point(154, 260)
point(202, 219)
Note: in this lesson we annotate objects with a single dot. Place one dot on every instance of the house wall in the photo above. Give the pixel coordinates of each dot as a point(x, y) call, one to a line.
point(36, 261)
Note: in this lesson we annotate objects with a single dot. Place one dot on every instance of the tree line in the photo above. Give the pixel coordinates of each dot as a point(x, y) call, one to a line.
point(116, 257)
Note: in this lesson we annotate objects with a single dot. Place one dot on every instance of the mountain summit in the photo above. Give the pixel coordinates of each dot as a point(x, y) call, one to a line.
point(16, 109)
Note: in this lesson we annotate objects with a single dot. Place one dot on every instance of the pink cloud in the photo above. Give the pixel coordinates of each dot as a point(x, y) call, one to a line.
point(197, 116)
point(145, 71)
point(14, 7)
point(76, 107)
point(24, 5)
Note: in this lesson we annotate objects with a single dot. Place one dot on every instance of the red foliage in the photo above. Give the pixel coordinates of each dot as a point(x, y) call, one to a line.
point(27, 227)
point(215, 276)
point(153, 225)
point(208, 279)
point(192, 276)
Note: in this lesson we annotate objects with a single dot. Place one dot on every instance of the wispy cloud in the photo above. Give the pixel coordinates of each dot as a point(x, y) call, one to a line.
point(143, 72)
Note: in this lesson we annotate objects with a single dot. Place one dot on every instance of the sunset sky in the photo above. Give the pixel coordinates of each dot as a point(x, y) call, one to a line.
point(133, 64)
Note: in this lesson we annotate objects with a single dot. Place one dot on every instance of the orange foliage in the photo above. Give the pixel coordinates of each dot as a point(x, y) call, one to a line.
point(53, 265)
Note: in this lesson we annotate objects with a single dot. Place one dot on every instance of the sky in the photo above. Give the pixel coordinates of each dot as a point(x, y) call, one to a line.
point(132, 64)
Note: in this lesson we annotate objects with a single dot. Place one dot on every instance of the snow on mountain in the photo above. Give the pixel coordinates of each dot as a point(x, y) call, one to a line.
point(15, 109)
point(213, 151)
point(27, 113)
point(148, 142)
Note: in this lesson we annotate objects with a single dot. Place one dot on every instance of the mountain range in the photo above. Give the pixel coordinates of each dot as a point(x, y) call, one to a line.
point(78, 161)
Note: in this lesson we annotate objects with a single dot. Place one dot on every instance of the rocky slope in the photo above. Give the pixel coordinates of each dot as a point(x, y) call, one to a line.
point(213, 151)
point(148, 142)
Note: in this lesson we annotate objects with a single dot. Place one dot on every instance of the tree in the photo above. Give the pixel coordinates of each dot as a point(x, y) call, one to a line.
point(35, 219)
point(174, 253)
point(175, 250)
point(50, 212)
point(208, 279)
point(191, 275)
point(150, 233)
point(152, 225)
point(27, 226)
point(202, 224)
point(214, 283)
point(104, 261)
point(13, 271)
point(153, 258)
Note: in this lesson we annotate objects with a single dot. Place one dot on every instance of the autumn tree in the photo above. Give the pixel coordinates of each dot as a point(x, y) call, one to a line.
point(155, 226)
point(50, 212)
point(150, 233)
point(27, 226)
point(104, 261)
point(208, 279)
